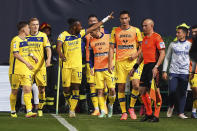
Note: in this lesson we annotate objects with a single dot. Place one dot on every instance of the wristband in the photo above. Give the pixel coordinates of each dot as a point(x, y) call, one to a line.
point(105, 19)
point(135, 66)
point(156, 66)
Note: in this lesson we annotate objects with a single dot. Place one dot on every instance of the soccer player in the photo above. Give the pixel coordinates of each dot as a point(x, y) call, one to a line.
point(19, 70)
point(92, 19)
point(70, 44)
point(178, 52)
point(125, 38)
point(99, 48)
point(193, 76)
point(38, 42)
point(152, 44)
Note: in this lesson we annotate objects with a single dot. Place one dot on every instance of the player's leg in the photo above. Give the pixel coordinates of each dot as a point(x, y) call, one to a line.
point(183, 83)
point(172, 84)
point(76, 77)
point(193, 84)
point(99, 85)
point(105, 90)
point(157, 105)
point(135, 90)
point(36, 96)
point(66, 83)
point(14, 82)
point(27, 99)
point(93, 91)
point(144, 86)
point(134, 96)
point(41, 82)
point(121, 80)
point(110, 82)
point(26, 83)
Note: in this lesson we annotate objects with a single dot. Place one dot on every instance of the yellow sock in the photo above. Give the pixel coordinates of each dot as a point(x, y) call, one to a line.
point(27, 100)
point(195, 103)
point(112, 99)
point(94, 97)
point(41, 100)
point(134, 95)
point(122, 101)
point(74, 100)
point(13, 102)
point(67, 98)
point(101, 101)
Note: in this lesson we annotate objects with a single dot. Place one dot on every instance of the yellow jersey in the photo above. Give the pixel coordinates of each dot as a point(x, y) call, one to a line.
point(37, 44)
point(71, 48)
point(126, 41)
point(21, 46)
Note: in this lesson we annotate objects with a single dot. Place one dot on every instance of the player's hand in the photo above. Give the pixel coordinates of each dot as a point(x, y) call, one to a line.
point(92, 71)
point(131, 73)
point(165, 76)
point(110, 68)
point(155, 71)
point(191, 76)
point(110, 16)
point(30, 67)
point(48, 62)
point(63, 58)
point(133, 57)
point(35, 59)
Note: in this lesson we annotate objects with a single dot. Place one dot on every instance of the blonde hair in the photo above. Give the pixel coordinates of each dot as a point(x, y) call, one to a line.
point(33, 19)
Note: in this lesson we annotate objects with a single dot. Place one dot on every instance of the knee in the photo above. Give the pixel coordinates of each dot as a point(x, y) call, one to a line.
point(135, 85)
point(66, 90)
point(41, 90)
point(14, 91)
point(112, 92)
point(121, 88)
point(100, 93)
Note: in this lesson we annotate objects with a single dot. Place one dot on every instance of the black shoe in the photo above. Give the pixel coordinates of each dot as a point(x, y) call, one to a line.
point(154, 119)
point(146, 118)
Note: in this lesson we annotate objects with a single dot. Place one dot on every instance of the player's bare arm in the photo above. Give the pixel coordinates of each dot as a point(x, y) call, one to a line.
point(48, 61)
point(110, 58)
point(20, 58)
point(59, 48)
point(95, 26)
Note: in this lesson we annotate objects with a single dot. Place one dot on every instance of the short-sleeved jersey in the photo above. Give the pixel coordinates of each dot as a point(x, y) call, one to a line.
point(37, 44)
point(100, 49)
point(150, 46)
point(126, 41)
point(87, 39)
point(21, 46)
point(71, 48)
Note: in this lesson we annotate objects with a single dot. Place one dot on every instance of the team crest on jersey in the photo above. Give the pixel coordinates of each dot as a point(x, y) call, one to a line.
point(125, 41)
point(187, 47)
point(39, 38)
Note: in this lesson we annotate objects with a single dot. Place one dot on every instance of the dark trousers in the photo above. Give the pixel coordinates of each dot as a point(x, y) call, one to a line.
point(177, 89)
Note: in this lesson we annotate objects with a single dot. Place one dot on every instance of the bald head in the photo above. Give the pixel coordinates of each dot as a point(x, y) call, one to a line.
point(148, 25)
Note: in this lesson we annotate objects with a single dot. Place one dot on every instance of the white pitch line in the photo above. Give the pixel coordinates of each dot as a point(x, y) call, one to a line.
point(64, 122)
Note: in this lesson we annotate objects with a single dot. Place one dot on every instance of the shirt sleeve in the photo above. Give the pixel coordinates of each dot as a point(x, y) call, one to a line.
point(61, 37)
point(167, 58)
point(112, 38)
point(83, 32)
point(46, 41)
point(15, 46)
point(139, 35)
point(160, 43)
